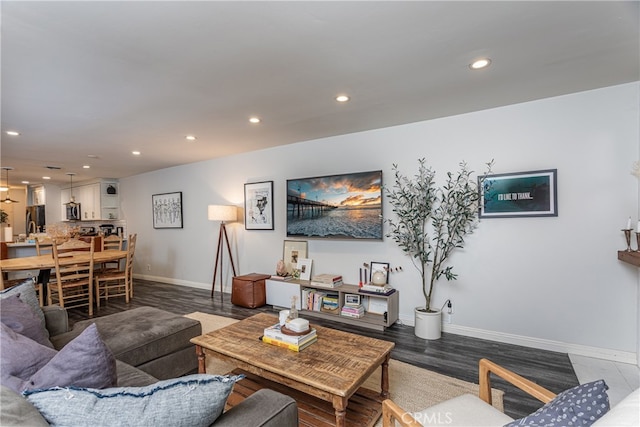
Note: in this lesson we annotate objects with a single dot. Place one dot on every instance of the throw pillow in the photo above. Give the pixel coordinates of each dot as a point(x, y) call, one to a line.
point(20, 358)
point(27, 292)
point(582, 405)
point(18, 316)
point(84, 362)
point(194, 400)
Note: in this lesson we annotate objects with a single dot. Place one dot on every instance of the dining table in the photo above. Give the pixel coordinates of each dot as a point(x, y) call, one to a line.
point(45, 263)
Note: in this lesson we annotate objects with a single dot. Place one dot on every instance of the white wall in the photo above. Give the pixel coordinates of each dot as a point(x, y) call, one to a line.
point(546, 282)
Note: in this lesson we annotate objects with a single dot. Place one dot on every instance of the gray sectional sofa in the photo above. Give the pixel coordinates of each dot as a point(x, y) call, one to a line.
point(149, 345)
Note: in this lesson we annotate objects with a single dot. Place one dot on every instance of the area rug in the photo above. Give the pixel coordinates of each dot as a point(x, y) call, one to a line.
point(411, 387)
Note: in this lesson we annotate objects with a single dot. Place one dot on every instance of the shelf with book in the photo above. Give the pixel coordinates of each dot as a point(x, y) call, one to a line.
point(381, 311)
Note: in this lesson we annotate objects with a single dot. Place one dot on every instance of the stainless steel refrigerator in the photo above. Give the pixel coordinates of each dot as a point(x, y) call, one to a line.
point(35, 214)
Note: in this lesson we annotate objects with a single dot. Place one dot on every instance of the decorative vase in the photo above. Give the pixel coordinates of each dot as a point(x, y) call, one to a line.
point(428, 325)
point(379, 278)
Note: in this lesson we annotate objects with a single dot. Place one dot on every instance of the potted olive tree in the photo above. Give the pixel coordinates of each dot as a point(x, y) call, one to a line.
point(431, 223)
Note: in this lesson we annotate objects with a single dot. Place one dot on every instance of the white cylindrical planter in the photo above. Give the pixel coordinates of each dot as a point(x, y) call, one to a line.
point(428, 325)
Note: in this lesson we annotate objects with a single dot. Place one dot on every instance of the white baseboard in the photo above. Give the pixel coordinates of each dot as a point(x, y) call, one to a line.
point(539, 343)
point(172, 281)
point(542, 344)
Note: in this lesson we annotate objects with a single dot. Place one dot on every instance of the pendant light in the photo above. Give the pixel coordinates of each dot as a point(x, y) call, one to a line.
point(8, 199)
point(72, 200)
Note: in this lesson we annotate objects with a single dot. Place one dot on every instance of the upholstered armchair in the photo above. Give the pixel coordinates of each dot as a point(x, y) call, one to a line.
point(587, 402)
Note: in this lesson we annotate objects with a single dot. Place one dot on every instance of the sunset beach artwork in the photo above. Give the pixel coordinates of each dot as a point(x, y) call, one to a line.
point(347, 206)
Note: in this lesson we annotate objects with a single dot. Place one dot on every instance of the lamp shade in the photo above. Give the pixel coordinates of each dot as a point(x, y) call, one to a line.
point(222, 213)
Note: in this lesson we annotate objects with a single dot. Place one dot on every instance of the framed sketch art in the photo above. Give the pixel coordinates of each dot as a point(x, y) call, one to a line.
point(258, 206)
point(167, 210)
point(521, 194)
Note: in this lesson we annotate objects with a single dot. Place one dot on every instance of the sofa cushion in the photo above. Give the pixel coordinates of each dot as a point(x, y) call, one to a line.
point(17, 315)
point(27, 292)
point(464, 410)
point(578, 406)
point(84, 362)
point(140, 335)
point(128, 376)
point(624, 414)
point(21, 357)
point(194, 400)
point(17, 411)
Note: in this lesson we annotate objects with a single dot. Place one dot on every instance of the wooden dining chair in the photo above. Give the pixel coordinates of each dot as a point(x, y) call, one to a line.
point(112, 242)
point(74, 282)
point(44, 247)
point(117, 283)
point(6, 283)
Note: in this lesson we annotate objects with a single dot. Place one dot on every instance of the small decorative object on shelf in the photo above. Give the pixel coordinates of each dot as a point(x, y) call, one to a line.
point(627, 235)
point(293, 313)
point(638, 241)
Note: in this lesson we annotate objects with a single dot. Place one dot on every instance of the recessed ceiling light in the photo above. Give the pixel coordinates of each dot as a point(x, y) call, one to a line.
point(342, 98)
point(254, 120)
point(25, 182)
point(480, 63)
point(86, 167)
point(135, 153)
point(92, 156)
point(46, 177)
point(190, 138)
point(12, 133)
point(4, 189)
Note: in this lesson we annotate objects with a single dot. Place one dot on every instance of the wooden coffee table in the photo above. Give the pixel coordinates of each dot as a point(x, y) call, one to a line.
point(333, 369)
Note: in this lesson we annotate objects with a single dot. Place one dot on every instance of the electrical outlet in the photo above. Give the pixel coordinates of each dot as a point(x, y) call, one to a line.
point(148, 267)
point(446, 317)
point(447, 312)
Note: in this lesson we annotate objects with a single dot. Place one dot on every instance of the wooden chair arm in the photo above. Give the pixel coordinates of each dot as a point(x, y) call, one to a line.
point(487, 367)
point(392, 412)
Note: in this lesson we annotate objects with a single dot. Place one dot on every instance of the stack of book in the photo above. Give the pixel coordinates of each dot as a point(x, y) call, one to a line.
point(281, 278)
point(376, 290)
point(312, 299)
point(330, 302)
point(273, 335)
point(326, 280)
point(352, 311)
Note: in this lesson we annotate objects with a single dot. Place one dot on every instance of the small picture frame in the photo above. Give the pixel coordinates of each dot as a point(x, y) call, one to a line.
point(167, 210)
point(258, 206)
point(293, 251)
point(304, 265)
point(352, 300)
point(382, 267)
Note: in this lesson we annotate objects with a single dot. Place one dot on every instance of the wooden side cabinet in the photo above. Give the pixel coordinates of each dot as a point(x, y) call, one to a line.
point(632, 257)
point(279, 295)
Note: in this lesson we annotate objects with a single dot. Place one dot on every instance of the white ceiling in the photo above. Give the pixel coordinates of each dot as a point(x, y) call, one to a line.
point(106, 78)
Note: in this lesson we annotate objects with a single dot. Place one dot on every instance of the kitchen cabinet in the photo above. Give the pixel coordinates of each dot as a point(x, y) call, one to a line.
point(110, 200)
point(98, 200)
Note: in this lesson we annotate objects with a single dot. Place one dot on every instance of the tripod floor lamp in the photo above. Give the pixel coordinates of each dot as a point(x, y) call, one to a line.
point(222, 213)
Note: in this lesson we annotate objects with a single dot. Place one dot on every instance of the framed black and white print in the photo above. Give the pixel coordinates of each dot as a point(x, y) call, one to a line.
point(258, 206)
point(167, 210)
point(521, 194)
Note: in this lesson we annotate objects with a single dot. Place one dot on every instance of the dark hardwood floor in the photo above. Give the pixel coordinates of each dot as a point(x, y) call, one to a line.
point(453, 355)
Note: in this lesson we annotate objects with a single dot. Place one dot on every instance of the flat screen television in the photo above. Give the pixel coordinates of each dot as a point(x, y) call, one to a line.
point(347, 206)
